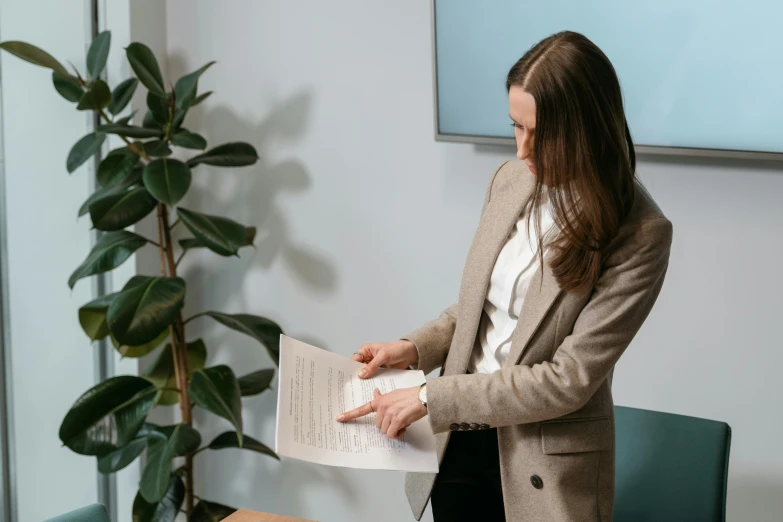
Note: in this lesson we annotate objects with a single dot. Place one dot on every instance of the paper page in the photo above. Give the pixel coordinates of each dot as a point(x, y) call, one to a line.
point(315, 386)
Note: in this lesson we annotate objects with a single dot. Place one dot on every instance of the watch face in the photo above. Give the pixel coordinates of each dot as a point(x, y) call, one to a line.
point(423, 394)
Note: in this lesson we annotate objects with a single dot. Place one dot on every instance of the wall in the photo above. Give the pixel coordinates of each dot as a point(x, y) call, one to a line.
point(364, 222)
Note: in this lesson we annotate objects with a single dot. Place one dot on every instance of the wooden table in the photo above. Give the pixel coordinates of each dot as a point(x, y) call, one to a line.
point(244, 515)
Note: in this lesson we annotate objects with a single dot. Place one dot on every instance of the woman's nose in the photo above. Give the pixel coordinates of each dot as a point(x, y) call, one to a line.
point(523, 150)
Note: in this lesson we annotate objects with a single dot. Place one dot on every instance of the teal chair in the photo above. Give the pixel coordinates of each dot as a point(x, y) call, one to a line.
point(93, 513)
point(670, 468)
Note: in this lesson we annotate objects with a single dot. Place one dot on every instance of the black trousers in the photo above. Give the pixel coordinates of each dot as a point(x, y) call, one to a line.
point(468, 484)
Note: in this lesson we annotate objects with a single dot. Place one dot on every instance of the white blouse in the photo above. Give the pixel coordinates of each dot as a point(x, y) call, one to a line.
point(514, 269)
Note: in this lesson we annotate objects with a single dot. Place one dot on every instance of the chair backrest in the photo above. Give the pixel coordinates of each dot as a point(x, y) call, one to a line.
point(670, 467)
point(92, 513)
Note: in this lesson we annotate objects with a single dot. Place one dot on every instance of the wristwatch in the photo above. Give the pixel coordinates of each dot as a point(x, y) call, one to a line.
point(423, 394)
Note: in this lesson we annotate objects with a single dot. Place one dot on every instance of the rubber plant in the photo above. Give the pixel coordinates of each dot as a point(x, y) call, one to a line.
point(109, 421)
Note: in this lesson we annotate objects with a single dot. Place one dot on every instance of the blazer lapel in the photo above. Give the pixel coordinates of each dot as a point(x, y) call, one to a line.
point(499, 219)
point(540, 296)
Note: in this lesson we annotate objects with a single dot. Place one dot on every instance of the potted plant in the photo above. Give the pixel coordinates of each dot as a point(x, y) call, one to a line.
point(109, 421)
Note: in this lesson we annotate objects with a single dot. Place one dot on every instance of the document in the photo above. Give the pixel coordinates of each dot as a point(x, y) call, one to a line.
point(315, 386)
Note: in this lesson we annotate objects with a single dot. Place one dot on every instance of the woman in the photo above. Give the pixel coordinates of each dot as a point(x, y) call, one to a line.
point(568, 259)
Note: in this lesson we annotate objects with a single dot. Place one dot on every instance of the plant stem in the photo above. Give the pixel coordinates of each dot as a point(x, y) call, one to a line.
point(132, 146)
point(180, 258)
point(175, 224)
point(177, 334)
point(161, 246)
point(179, 352)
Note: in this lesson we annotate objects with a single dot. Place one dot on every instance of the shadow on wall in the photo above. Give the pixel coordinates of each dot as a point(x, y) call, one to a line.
point(249, 196)
point(755, 497)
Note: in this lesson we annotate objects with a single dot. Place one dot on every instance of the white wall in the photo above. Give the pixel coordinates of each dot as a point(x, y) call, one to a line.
point(51, 358)
point(364, 222)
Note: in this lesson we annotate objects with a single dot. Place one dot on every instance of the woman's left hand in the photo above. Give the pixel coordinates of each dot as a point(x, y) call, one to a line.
point(394, 411)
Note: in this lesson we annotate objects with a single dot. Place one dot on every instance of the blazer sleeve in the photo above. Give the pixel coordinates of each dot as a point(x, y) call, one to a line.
point(620, 303)
point(433, 339)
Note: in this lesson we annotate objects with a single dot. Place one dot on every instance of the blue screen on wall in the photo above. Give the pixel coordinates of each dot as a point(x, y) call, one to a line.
point(700, 74)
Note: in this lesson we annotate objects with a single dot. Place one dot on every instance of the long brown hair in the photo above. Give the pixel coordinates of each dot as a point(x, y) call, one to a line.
point(583, 152)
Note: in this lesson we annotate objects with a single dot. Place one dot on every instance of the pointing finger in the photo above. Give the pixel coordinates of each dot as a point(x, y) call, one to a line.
point(361, 411)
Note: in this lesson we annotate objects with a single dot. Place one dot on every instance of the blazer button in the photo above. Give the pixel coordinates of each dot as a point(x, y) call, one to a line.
point(484, 427)
point(464, 426)
point(474, 426)
point(454, 427)
point(537, 482)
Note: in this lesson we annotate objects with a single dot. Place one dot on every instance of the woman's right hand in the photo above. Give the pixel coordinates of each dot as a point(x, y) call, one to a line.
point(398, 354)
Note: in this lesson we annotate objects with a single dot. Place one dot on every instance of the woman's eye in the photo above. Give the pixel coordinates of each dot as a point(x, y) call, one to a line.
point(517, 126)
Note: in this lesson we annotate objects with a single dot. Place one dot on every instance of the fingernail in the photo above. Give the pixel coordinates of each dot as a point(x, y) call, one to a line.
point(363, 373)
point(340, 418)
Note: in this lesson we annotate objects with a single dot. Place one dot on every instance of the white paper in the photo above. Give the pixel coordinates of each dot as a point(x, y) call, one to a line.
point(315, 386)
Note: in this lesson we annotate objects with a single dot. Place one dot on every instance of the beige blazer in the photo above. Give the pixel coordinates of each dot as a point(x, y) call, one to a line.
point(552, 402)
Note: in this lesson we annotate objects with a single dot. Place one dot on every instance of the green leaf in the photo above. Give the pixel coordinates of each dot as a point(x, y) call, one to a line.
point(259, 328)
point(164, 511)
point(219, 234)
point(144, 64)
point(35, 55)
point(189, 140)
point(125, 120)
point(167, 180)
point(122, 95)
point(98, 53)
point(215, 389)
point(206, 511)
point(229, 440)
point(109, 252)
point(201, 98)
point(140, 312)
point(237, 154)
point(122, 151)
point(96, 98)
point(108, 415)
point(150, 123)
point(84, 149)
point(186, 87)
point(139, 350)
point(67, 86)
point(129, 131)
point(182, 438)
point(136, 350)
point(157, 148)
point(162, 372)
point(163, 444)
point(121, 457)
point(179, 117)
point(95, 196)
point(191, 242)
point(120, 187)
point(256, 382)
point(118, 210)
point(188, 243)
point(92, 317)
point(158, 105)
point(115, 168)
